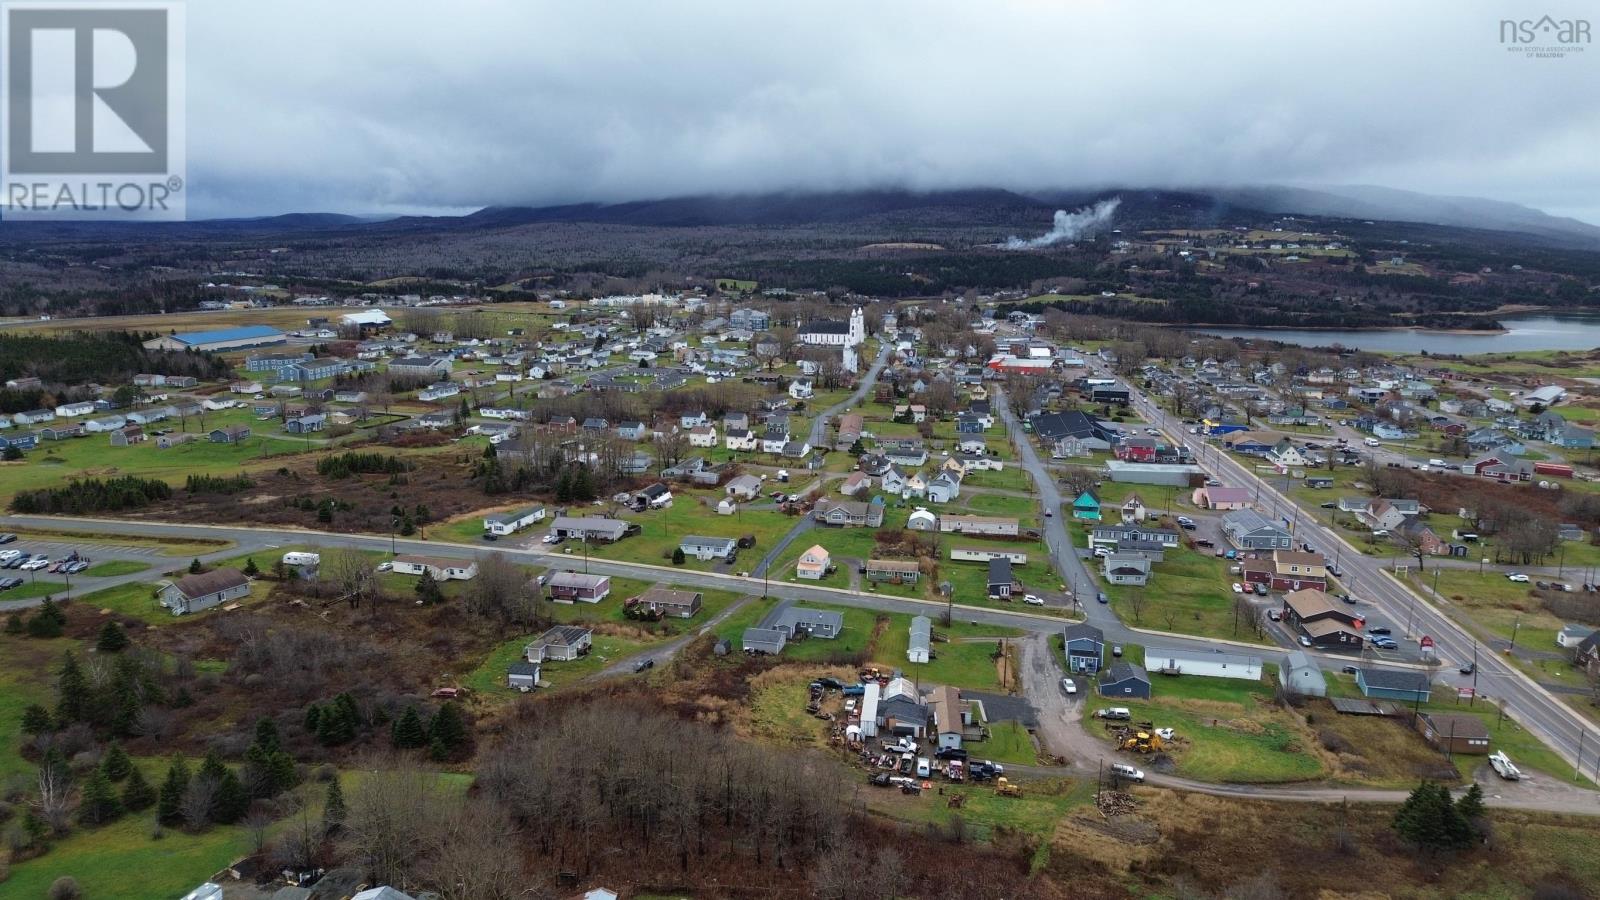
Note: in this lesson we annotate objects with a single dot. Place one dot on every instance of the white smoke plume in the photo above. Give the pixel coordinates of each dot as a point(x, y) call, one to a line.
point(1068, 226)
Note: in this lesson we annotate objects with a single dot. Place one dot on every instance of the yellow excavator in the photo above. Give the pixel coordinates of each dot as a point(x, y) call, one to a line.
point(1143, 742)
point(1004, 788)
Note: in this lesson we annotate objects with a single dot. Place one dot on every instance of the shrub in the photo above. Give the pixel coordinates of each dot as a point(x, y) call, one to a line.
point(65, 888)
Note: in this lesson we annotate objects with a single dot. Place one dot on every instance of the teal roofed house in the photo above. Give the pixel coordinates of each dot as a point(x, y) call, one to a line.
point(1087, 507)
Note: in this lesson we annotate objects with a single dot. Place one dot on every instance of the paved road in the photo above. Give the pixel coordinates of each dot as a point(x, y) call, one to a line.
point(1073, 573)
point(819, 428)
point(1541, 712)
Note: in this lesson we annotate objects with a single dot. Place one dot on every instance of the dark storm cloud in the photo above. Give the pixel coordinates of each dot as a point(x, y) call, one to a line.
point(392, 106)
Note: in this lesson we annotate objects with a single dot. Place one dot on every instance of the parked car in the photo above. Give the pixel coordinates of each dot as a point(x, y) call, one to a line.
point(1049, 514)
point(1517, 577)
point(385, 566)
point(644, 664)
point(1469, 668)
point(1116, 650)
point(1379, 630)
point(1383, 643)
point(1275, 615)
point(1349, 670)
point(1101, 596)
point(1125, 771)
point(1305, 641)
point(1542, 585)
point(35, 564)
point(1033, 599)
point(7, 537)
point(1204, 543)
point(1261, 590)
point(1238, 588)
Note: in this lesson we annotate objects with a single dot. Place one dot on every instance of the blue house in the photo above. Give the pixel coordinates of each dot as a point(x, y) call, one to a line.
point(1086, 507)
point(1124, 679)
point(1085, 647)
point(26, 440)
point(968, 424)
point(1393, 684)
point(1250, 446)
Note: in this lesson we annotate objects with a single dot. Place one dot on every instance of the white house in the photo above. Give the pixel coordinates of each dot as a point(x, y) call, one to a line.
point(502, 524)
point(740, 439)
point(439, 568)
point(703, 436)
point(71, 410)
point(1211, 665)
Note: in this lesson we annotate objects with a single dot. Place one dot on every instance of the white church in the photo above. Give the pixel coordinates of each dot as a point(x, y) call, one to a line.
point(834, 333)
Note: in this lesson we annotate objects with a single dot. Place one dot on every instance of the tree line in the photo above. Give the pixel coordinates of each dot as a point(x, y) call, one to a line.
point(91, 495)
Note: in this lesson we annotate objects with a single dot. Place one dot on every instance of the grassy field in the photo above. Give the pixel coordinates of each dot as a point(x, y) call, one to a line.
point(1035, 813)
point(168, 547)
point(1008, 742)
point(1505, 734)
point(1497, 605)
point(966, 660)
point(114, 567)
point(488, 680)
point(1228, 731)
point(30, 589)
point(54, 463)
point(693, 512)
point(26, 677)
point(136, 600)
point(1189, 593)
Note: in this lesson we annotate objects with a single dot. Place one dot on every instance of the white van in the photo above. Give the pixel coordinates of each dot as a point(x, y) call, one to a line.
point(1371, 442)
point(1436, 463)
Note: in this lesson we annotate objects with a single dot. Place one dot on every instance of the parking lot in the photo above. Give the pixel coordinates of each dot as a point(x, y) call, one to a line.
point(24, 561)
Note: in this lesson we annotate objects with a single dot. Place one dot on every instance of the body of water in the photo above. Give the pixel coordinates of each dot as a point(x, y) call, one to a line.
point(1564, 332)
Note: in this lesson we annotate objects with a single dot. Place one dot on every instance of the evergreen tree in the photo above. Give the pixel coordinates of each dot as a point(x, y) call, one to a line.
point(117, 765)
point(428, 589)
point(36, 720)
point(56, 761)
point(678, 556)
point(583, 485)
point(335, 726)
point(1429, 820)
point(1470, 807)
point(251, 570)
point(437, 751)
point(72, 692)
point(14, 623)
point(563, 487)
point(231, 801)
point(447, 728)
point(267, 735)
point(333, 811)
point(169, 807)
point(48, 622)
point(99, 802)
point(137, 794)
point(112, 638)
point(313, 717)
point(281, 767)
point(194, 566)
point(407, 732)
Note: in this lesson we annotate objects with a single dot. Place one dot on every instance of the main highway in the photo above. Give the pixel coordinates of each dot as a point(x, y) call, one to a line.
point(1542, 713)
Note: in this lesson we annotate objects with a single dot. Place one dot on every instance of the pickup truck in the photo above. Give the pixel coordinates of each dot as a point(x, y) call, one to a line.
point(1118, 713)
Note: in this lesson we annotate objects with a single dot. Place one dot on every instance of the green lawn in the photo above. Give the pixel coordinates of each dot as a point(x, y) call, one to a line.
point(1189, 592)
point(963, 663)
point(1497, 605)
point(137, 600)
point(1011, 478)
point(693, 512)
point(121, 860)
point(488, 680)
point(54, 463)
point(27, 676)
point(1505, 734)
point(1008, 742)
point(1228, 730)
point(856, 637)
point(114, 567)
point(30, 588)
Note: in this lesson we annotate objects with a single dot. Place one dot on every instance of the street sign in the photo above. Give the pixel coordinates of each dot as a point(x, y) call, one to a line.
point(1426, 641)
point(1465, 693)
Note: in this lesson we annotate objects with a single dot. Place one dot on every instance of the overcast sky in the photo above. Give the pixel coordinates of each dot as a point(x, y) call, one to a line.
point(446, 105)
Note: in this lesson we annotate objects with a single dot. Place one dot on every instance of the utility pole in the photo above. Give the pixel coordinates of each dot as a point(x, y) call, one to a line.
point(1517, 626)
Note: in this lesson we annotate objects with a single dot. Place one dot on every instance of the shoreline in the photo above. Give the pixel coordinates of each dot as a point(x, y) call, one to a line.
point(1487, 332)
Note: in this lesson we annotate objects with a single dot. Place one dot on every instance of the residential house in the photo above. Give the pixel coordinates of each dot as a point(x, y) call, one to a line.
point(671, 603)
point(1288, 570)
point(577, 587)
point(1500, 467)
point(849, 513)
point(708, 548)
point(438, 567)
point(1125, 568)
point(592, 528)
point(943, 488)
point(1570, 636)
point(306, 424)
point(740, 439)
point(1086, 507)
point(1247, 529)
point(193, 593)
point(792, 620)
point(507, 523)
point(813, 564)
point(1133, 510)
point(894, 571)
point(1085, 647)
point(1222, 498)
point(128, 435)
point(763, 640)
point(1298, 674)
point(1452, 733)
point(1404, 685)
point(743, 487)
point(855, 484)
point(522, 675)
point(703, 436)
point(562, 643)
point(232, 434)
point(430, 368)
point(1124, 679)
point(1123, 537)
point(993, 526)
point(1003, 583)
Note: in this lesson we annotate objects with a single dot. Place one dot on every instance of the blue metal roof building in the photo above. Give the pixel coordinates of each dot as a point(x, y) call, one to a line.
point(243, 337)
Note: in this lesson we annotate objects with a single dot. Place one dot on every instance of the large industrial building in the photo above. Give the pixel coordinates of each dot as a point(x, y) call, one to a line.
point(241, 338)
